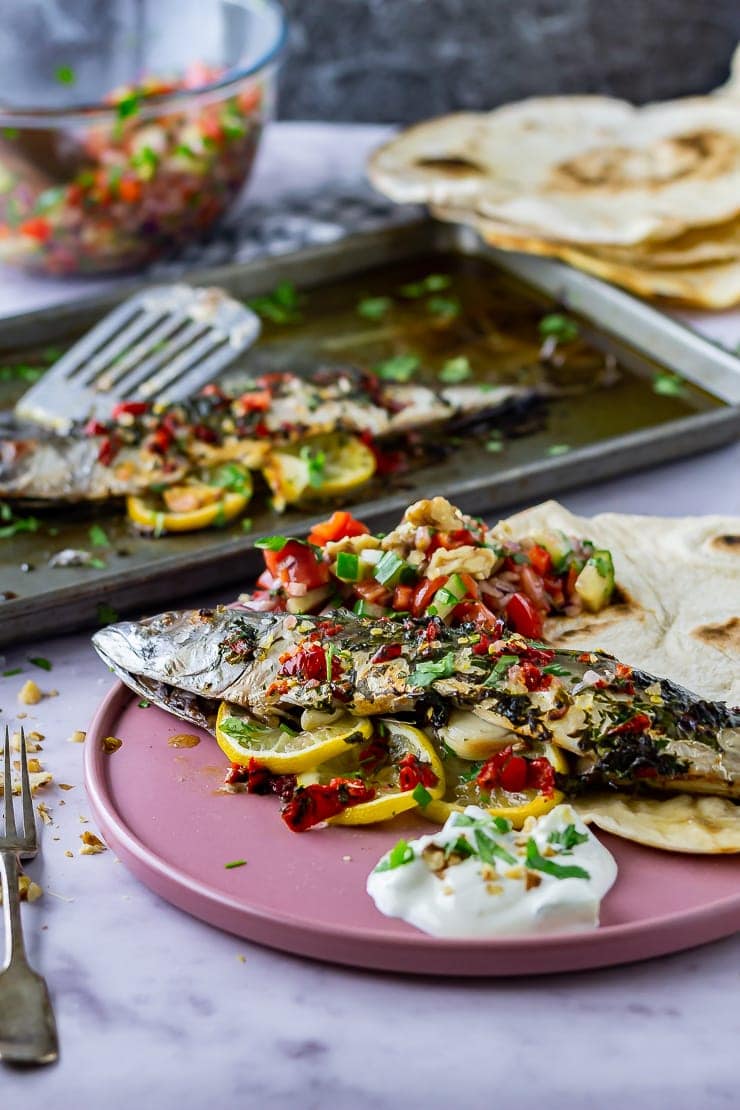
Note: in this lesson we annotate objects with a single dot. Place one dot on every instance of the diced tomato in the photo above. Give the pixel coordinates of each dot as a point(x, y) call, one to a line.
point(339, 525)
point(541, 776)
point(36, 228)
point(108, 450)
point(476, 612)
point(129, 408)
point(129, 190)
point(95, 428)
point(523, 617)
point(255, 401)
point(412, 773)
point(310, 662)
point(317, 802)
point(373, 592)
point(532, 676)
point(424, 592)
point(297, 562)
point(160, 440)
point(570, 582)
point(403, 597)
point(514, 773)
point(460, 537)
point(540, 559)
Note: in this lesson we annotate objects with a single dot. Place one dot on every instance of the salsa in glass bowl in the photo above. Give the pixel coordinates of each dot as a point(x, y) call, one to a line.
point(115, 184)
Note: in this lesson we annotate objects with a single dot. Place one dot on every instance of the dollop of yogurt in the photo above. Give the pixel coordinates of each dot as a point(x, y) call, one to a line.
point(478, 877)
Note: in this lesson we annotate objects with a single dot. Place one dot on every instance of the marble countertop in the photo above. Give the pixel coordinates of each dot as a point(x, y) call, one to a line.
point(156, 1007)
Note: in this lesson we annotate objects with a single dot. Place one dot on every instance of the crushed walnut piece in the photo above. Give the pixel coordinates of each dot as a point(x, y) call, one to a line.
point(532, 880)
point(33, 742)
point(36, 779)
point(184, 740)
point(77, 737)
point(44, 812)
point(29, 693)
point(110, 744)
point(92, 845)
point(66, 786)
point(28, 890)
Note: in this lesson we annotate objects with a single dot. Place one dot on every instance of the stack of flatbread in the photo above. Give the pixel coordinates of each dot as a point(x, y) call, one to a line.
point(648, 197)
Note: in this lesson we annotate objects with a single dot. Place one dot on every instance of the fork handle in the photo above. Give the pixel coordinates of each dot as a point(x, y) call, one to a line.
point(27, 1025)
point(15, 951)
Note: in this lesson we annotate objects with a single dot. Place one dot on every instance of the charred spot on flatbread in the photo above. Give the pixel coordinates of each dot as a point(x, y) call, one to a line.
point(619, 609)
point(725, 635)
point(727, 543)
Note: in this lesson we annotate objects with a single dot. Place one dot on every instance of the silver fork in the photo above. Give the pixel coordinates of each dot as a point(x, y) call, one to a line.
point(28, 1032)
point(160, 345)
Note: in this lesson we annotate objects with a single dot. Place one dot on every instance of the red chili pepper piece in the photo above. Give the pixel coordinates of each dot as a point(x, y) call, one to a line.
point(109, 448)
point(317, 802)
point(95, 428)
point(633, 726)
point(386, 653)
point(412, 773)
point(533, 677)
point(504, 769)
point(129, 408)
point(310, 662)
point(541, 776)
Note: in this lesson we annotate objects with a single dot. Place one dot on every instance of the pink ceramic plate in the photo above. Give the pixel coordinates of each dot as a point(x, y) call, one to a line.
point(160, 810)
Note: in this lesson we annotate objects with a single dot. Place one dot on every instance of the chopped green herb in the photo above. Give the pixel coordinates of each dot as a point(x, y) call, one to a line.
point(460, 847)
point(500, 823)
point(427, 673)
point(536, 862)
point(10, 132)
point(329, 661)
point(560, 327)
point(15, 524)
point(12, 671)
point(98, 536)
point(500, 670)
point(432, 283)
point(567, 838)
point(242, 730)
point(96, 563)
point(235, 863)
point(128, 105)
point(556, 669)
point(144, 704)
point(65, 75)
point(489, 849)
point(39, 661)
point(399, 855)
point(232, 477)
point(145, 160)
point(316, 464)
point(106, 613)
point(495, 445)
point(21, 372)
point(374, 308)
point(280, 306)
point(272, 543)
point(399, 368)
point(456, 370)
point(447, 307)
point(421, 795)
point(668, 385)
point(558, 449)
point(471, 772)
point(247, 524)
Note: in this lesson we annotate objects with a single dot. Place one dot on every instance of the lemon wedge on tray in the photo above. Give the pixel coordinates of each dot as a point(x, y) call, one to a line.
point(282, 750)
point(194, 505)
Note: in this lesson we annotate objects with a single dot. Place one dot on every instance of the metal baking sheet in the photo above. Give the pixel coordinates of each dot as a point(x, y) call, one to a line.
point(612, 434)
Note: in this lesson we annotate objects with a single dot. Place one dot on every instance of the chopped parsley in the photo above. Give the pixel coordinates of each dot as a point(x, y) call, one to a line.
point(65, 75)
point(426, 673)
point(421, 795)
point(235, 863)
point(489, 849)
point(106, 613)
point(668, 385)
point(247, 524)
point(315, 461)
point(560, 327)
point(232, 477)
point(279, 307)
point(96, 563)
point(399, 368)
point(567, 838)
point(242, 730)
point(399, 855)
point(456, 370)
point(557, 449)
point(272, 543)
point(464, 821)
point(128, 105)
point(40, 662)
point(444, 307)
point(536, 862)
point(374, 308)
point(501, 668)
point(98, 536)
point(12, 525)
point(432, 283)
point(556, 669)
point(12, 671)
point(144, 704)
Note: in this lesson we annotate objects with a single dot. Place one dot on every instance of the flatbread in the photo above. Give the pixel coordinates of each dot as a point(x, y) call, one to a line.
point(685, 823)
point(677, 610)
point(588, 170)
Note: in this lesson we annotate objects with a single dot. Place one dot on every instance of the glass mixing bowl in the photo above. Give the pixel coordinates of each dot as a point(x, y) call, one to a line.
point(127, 127)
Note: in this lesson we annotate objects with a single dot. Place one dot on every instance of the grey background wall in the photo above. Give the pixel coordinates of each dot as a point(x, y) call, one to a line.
point(387, 60)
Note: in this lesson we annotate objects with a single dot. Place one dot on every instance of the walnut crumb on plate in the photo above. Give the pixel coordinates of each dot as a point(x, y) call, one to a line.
point(91, 844)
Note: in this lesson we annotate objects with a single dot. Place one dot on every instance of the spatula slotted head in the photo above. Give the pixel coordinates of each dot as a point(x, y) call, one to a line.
point(162, 344)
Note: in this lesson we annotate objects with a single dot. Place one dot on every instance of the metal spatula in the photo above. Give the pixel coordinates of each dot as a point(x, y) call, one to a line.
point(160, 345)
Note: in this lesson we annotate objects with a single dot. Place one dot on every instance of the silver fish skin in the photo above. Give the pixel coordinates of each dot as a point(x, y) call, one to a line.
point(54, 468)
point(190, 661)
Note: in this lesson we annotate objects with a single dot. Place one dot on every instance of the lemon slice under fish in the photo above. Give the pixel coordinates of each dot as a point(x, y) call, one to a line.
point(281, 750)
point(193, 505)
point(402, 739)
point(514, 807)
point(322, 466)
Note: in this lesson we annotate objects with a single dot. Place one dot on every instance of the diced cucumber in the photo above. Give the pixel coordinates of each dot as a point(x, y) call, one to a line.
point(393, 571)
point(447, 597)
point(595, 584)
point(310, 600)
point(367, 609)
point(348, 567)
point(558, 547)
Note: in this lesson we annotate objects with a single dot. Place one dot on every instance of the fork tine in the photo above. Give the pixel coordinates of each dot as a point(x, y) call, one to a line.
point(29, 824)
point(8, 790)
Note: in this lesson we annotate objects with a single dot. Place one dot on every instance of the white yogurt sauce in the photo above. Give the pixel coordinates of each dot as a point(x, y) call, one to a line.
point(511, 882)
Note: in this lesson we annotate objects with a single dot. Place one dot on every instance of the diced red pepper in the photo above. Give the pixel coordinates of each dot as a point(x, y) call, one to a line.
point(317, 802)
point(533, 677)
point(476, 612)
point(129, 190)
point(339, 525)
point(524, 617)
point(540, 559)
point(387, 652)
point(36, 228)
point(403, 598)
point(412, 773)
point(108, 450)
point(297, 562)
point(373, 592)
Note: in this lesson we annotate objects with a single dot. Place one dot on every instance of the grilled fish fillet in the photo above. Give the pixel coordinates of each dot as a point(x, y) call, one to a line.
point(621, 726)
point(161, 445)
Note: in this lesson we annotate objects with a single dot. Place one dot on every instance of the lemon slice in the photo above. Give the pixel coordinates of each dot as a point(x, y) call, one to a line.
point(514, 807)
point(323, 466)
point(282, 750)
point(402, 739)
point(149, 514)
